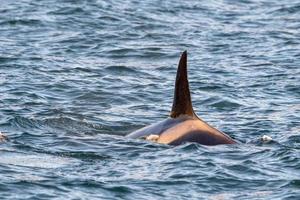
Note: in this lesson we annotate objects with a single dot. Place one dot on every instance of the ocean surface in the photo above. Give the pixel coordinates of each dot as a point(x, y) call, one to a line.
point(77, 76)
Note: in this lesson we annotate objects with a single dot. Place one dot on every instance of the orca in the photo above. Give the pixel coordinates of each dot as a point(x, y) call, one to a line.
point(182, 125)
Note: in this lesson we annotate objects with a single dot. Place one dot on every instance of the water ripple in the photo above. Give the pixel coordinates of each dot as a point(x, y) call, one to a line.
point(76, 76)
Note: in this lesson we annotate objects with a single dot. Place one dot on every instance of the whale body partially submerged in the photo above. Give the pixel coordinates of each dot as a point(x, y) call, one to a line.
point(182, 125)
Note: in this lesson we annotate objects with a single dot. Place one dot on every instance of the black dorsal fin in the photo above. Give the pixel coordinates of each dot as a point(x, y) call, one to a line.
point(182, 104)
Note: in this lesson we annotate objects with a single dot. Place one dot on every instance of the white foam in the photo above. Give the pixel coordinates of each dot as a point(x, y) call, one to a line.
point(266, 138)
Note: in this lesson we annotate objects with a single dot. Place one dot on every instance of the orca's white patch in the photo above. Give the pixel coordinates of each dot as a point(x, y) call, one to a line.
point(152, 138)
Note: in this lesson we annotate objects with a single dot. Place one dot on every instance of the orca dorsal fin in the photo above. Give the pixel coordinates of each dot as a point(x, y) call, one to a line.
point(182, 104)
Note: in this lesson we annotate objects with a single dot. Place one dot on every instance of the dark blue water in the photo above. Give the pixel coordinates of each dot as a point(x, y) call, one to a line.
point(76, 76)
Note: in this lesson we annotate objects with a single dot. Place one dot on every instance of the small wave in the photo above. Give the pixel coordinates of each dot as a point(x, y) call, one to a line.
point(208, 87)
point(118, 189)
point(135, 52)
point(295, 183)
point(22, 122)
point(222, 104)
point(121, 69)
point(67, 11)
point(4, 59)
point(287, 9)
point(24, 22)
point(64, 124)
point(110, 18)
point(33, 160)
point(293, 89)
point(84, 155)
